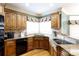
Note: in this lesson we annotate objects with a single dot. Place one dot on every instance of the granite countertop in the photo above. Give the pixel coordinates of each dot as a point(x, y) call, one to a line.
point(72, 49)
point(19, 37)
point(31, 35)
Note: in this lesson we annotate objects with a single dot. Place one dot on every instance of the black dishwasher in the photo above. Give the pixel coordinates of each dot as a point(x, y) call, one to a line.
point(21, 46)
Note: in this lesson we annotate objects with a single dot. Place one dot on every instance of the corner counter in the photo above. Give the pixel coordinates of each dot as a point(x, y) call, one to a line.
point(72, 49)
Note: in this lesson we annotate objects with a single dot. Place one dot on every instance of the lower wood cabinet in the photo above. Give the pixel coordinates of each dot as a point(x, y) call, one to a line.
point(37, 42)
point(46, 43)
point(41, 43)
point(52, 50)
point(10, 47)
point(62, 52)
point(30, 43)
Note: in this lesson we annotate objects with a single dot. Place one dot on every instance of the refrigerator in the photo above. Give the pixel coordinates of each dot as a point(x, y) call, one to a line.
point(1, 35)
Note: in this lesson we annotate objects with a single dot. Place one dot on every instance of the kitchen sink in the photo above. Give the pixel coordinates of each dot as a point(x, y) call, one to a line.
point(60, 41)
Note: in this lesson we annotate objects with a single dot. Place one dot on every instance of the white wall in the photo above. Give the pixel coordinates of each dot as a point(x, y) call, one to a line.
point(74, 28)
point(71, 9)
point(74, 31)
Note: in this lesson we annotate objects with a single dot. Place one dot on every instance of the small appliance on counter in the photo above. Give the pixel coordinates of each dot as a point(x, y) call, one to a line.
point(9, 35)
point(1, 35)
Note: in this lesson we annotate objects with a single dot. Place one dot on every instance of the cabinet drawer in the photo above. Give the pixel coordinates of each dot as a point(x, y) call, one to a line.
point(8, 43)
point(36, 38)
point(30, 40)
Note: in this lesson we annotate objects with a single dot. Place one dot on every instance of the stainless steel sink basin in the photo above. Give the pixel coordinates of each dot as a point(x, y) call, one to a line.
point(60, 41)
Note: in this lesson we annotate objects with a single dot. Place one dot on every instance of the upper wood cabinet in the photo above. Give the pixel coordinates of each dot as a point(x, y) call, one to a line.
point(19, 19)
point(14, 21)
point(10, 22)
point(23, 22)
point(7, 18)
point(1, 9)
point(55, 21)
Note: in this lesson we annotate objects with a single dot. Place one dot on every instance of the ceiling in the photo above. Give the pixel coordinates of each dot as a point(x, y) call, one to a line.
point(36, 8)
point(42, 9)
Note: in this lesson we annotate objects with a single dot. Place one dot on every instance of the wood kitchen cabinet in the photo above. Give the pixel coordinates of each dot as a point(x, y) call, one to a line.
point(30, 44)
point(55, 20)
point(46, 43)
point(36, 42)
point(10, 22)
point(1, 9)
point(52, 50)
point(7, 18)
point(19, 20)
point(62, 52)
point(10, 47)
point(41, 42)
point(23, 22)
point(14, 21)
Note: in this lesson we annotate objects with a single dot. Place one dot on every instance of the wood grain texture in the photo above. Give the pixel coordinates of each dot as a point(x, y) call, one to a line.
point(37, 52)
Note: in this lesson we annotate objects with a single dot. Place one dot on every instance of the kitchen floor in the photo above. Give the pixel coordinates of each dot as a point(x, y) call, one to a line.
point(37, 52)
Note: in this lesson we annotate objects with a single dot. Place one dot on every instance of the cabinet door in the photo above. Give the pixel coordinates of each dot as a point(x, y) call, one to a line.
point(36, 43)
point(30, 43)
point(7, 22)
point(18, 25)
point(10, 47)
point(52, 51)
point(55, 22)
point(23, 22)
point(14, 22)
point(46, 43)
point(10, 50)
point(10, 22)
point(41, 44)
